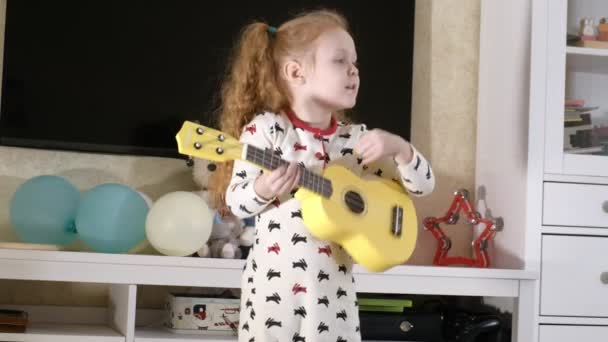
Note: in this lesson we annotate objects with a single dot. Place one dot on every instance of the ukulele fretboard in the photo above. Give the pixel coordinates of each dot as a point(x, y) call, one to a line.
point(267, 159)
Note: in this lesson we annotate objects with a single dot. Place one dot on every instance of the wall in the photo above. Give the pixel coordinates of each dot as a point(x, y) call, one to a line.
point(444, 109)
point(443, 119)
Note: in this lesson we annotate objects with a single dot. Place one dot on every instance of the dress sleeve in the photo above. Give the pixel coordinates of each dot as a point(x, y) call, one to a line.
point(416, 176)
point(241, 197)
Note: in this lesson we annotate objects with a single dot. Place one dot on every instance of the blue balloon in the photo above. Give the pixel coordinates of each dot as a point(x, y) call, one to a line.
point(111, 218)
point(43, 209)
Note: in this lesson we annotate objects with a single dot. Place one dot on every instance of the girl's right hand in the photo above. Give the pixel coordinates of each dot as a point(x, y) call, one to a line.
point(278, 182)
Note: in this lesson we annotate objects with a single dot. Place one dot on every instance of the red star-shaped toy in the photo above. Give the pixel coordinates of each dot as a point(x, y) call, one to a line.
point(480, 244)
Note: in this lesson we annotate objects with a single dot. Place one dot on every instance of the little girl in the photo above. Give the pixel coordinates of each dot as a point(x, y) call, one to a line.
point(285, 91)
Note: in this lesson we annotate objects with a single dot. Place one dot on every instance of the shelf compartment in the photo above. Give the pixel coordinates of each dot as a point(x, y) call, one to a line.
point(581, 59)
point(46, 332)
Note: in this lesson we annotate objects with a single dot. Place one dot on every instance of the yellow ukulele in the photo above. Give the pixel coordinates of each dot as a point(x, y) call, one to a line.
point(374, 220)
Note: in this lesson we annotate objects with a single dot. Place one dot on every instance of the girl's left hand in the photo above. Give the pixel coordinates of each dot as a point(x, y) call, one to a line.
point(376, 144)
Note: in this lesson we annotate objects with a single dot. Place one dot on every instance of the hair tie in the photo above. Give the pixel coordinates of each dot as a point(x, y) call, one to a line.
point(271, 29)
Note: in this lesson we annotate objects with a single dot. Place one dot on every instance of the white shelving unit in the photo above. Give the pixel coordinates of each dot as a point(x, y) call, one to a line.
point(528, 72)
point(125, 272)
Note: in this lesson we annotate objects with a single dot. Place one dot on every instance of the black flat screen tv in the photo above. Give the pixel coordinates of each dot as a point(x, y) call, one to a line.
point(120, 76)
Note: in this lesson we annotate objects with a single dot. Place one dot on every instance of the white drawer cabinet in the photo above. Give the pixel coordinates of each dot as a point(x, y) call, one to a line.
point(573, 333)
point(572, 204)
point(563, 205)
point(574, 276)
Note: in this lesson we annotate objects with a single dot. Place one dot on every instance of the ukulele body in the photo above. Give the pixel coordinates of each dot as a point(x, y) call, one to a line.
point(361, 215)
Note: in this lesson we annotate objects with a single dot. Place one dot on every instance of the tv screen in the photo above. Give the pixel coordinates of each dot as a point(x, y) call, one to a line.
point(121, 76)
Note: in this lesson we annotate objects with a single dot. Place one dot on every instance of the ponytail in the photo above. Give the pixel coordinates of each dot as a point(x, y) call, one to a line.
point(251, 85)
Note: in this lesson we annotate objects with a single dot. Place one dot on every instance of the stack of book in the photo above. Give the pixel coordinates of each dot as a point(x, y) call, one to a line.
point(13, 321)
point(578, 128)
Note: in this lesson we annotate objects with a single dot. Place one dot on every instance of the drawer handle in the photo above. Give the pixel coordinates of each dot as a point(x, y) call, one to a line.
point(406, 326)
point(604, 277)
point(605, 206)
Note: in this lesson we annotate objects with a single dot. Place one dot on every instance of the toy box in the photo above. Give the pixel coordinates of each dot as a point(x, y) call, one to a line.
point(196, 314)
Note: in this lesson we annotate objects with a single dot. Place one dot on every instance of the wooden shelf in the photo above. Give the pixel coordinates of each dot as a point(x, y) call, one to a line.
point(226, 273)
point(64, 333)
point(586, 59)
point(573, 50)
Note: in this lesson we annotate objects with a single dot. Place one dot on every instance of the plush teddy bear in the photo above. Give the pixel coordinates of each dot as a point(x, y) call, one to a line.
point(228, 233)
point(201, 173)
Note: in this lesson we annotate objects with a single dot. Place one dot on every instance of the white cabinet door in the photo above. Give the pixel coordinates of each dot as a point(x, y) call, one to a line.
point(579, 73)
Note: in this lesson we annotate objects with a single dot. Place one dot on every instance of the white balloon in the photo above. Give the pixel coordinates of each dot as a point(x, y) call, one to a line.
point(179, 223)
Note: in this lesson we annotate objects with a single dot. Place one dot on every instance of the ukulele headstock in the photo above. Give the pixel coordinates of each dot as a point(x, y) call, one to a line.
point(204, 142)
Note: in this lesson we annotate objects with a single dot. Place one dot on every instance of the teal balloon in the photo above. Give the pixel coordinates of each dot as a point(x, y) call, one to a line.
point(111, 218)
point(43, 209)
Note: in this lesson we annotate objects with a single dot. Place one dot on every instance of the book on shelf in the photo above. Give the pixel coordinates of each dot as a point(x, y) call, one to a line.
point(578, 125)
point(578, 106)
point(579, 136)
point(585, 150)
point(580, 109)
point(572, 120)
point(574, 102)
point(569, 130)
point(13, 321)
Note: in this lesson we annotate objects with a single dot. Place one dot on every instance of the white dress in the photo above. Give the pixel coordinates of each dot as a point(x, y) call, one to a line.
point(294, 286)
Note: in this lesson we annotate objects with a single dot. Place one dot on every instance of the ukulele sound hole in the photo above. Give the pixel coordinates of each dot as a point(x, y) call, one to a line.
point(354, 202)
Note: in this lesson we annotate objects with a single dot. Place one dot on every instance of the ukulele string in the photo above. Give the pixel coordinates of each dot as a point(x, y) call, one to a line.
point(351, 199)
point(355, 203)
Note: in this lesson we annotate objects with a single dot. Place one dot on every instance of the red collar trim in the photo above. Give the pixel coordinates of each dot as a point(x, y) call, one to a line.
point(333, 125)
